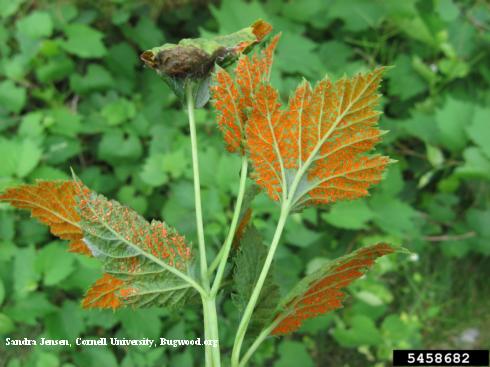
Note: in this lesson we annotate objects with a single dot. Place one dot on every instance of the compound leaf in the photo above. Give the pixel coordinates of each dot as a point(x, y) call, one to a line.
point(321, 292)
point(52, 203)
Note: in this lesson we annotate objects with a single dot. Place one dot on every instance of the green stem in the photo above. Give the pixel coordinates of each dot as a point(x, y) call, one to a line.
point(197, 187)
point(247, 315)
point(231, 233)
point(213, 356)
point(260, 338)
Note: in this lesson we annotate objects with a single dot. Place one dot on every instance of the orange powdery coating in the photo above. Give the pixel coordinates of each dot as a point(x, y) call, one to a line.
point(101, 217)
point(233, 96)
point(103, 293)
point(314, 152)
point(260, 29)
point(52, 203)
point(322, 292)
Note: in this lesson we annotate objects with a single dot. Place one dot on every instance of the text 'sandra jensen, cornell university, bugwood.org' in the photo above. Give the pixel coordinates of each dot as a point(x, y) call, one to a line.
point(112, 341)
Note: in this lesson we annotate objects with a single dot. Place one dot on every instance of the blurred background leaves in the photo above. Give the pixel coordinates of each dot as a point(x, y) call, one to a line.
point(74, 93)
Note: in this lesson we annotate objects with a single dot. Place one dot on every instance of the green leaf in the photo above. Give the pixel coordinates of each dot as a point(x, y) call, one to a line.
point(30, 309)
point(142, 323)
point(392, 215)
point(452, 118)
point(404, 81)
point(248, 265)
point(116, 148)
point(19, 157)
point(152, 172)
point(293, 354)
point(232, 14)
point(447, 10)
point(12, 98)
point(9, 7)
point(476, 165)
point(349, 214)
point(37, 24)
point(145, 34)
point(56, 69)
point(97, 78)
point(357, 15)
point(119, 111)
point(84, 41)
point(67, 322)
point(362, 331)
point(65, 122)
point(479, 130)
point(47, 360)
point(54, 263)
point(6, 325)
point(127, 195)
point(2, 292)
point(26, 276)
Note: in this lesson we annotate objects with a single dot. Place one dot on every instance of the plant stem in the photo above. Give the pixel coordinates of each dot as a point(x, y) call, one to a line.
point(197, 187)
point(231, 232)
point(213, 358)
point(247, 315)
point(260, 338)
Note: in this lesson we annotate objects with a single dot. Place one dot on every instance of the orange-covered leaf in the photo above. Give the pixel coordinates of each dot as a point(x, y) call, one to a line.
point(103, 293)
point(52, 203)
point(151, 259)
point(232, 96)
point(322, 291)
point(314, 151)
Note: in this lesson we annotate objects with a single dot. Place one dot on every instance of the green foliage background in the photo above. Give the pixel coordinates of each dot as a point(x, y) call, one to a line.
point(74, 93)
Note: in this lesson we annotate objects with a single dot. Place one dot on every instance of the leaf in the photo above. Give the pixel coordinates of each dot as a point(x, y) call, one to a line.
point(245, 214)
point(37, 24)
point(233, 98)
point(314, 152)
point(196, 56)
point(349, 215)
point(54, 263)
point(452, 118)
point(103, 293)
point(248, 265)
point(479, 130)
point(12, 97)
point(52, 203)
point(321, 292)
point(84, 41)
point(149, 258)
point(363, 331)
point(193, 59)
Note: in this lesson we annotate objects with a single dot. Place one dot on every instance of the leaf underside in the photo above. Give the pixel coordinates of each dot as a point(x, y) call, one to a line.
point(52, 203)
point(135, 252)
point(233, 98)
point(313, 152)
point(321, 292)
point(248, 264)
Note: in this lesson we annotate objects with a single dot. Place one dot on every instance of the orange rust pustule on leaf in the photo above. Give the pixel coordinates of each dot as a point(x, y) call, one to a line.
point(103, 293)
point(52, 203)
point(323, 135)
point(232, 96)
point(325, 294)
point(156, 237)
